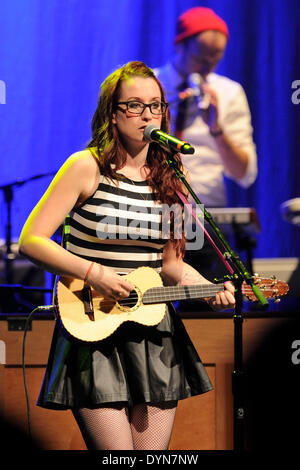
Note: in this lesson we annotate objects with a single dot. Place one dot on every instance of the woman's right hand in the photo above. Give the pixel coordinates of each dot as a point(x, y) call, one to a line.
point(110, 284)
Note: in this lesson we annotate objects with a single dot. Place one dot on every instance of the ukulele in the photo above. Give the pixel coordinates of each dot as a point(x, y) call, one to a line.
point(88, 316)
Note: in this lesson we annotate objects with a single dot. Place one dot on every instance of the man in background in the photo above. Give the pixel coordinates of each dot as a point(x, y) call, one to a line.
point(211, 112)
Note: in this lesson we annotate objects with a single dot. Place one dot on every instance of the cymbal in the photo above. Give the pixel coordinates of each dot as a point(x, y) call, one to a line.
point(290, 211)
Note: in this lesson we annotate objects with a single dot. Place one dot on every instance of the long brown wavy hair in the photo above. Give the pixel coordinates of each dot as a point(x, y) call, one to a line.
point(111, 153)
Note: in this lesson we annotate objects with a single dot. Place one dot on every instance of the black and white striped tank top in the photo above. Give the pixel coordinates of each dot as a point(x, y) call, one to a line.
point(120, 226)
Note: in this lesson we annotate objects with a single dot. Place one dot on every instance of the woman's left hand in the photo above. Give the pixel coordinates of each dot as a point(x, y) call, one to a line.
point(224, 299)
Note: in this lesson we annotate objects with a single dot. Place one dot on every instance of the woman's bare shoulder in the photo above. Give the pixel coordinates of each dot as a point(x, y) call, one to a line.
point(83, 171)
point(83, 160)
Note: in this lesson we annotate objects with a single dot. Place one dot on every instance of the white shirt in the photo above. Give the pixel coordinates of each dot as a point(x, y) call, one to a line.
point(205, 166)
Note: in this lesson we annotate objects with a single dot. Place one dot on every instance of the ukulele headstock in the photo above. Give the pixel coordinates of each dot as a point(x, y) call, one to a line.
point(272, 288)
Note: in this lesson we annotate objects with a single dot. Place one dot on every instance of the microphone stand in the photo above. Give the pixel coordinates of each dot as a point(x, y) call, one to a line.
point(240, 275)
point(8, 196)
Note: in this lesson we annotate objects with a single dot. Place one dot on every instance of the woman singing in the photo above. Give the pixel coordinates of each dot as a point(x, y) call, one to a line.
point(123, 390)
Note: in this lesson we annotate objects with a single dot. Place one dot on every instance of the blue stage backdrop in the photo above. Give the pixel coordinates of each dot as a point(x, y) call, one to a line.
point(54, 55)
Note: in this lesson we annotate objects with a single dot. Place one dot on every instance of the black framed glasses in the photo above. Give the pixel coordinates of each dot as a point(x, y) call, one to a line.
point(137, 107)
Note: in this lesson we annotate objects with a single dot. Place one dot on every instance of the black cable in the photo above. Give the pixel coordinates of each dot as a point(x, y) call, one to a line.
point(27, 323)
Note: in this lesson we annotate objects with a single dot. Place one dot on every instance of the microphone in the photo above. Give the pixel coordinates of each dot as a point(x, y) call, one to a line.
point(152, 133)
point(195, 81)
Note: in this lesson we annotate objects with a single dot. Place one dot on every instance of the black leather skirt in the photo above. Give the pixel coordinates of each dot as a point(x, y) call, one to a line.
point(136, 364)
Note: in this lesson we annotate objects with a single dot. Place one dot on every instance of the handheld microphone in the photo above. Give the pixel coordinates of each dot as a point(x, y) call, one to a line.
point(153, 134)
point(195, 81)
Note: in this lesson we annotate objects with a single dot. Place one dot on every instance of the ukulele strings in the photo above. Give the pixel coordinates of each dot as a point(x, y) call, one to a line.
point(133, 297)
point(167, 292)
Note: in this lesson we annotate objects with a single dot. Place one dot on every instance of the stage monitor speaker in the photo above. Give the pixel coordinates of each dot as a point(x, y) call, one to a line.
point(27, 274)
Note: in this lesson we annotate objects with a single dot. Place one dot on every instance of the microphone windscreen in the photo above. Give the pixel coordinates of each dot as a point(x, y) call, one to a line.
point(195, 80)
point(148, 130)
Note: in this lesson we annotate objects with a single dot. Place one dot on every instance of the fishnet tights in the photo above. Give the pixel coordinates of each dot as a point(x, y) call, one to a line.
point(144, 426)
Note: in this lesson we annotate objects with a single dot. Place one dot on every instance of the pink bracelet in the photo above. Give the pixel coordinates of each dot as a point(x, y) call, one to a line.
point(88, 271)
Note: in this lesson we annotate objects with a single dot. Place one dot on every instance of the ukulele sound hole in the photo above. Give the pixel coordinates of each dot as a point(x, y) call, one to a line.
point(131, 302)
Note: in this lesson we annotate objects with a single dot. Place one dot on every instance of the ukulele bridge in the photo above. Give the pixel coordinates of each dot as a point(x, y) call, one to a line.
point(88, 302)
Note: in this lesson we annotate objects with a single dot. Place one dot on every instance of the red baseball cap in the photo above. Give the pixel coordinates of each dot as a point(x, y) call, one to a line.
point(196, 20)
